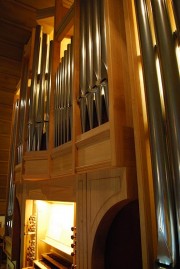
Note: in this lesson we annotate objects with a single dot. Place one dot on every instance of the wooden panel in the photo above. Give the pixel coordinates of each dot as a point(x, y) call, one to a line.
point(18, 13)
point(10, 66)
point(67, 3)
point(20, 38)
point(3, 207)
point(3, 189)
point(5, 113)
point(5, 127)
point(94, 148)
point(4, 142)
point(9, 50)
point(8, 82)
point(3, 167)
point(36, 165)
point(3, 192)
point(59, 14)
point(38, 4)
point(6, 98)
point(62, 160)
point(18, 173)
point(3, 180)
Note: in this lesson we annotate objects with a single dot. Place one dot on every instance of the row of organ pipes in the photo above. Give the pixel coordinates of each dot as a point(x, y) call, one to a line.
point(158, 25)
point(35, 96)
point(63, 98)
point(93, 95)
point(163, 120)
point(38, 122)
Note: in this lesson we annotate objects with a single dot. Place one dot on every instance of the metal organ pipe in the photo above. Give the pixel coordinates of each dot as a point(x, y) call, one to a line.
point(22, 109)
point(166, 226)
point(171, 88)
point(97, 56)
point(32, 105)
point(47, 93)
point(83, 81)
point(41, 94)
point(104, 66)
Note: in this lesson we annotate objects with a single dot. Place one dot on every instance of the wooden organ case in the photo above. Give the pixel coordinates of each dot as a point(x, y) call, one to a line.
point(82, 136)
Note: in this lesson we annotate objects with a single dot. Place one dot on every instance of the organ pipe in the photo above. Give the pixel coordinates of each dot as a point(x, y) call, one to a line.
point(33, 90)
point(171, 88)
point(166, 225)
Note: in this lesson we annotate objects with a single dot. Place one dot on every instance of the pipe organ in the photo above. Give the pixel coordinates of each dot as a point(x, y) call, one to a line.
point(97, 127)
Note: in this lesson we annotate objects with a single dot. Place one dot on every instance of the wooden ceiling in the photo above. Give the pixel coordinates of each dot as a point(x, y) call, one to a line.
point(17, 17)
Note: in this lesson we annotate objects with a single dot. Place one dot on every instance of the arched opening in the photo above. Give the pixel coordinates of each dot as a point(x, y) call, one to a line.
point(117, 243)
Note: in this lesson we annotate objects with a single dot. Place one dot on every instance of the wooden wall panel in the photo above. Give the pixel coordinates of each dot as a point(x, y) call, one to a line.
point(5, 113)
point(8, 50)
point(20, 38)
point(6, 98)
point(18, 13)
point(5, 127)
point(10, 66)
point(4, 142)
point(4, 154)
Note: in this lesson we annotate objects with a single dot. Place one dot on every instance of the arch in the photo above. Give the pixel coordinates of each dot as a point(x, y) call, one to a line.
point(117, 243)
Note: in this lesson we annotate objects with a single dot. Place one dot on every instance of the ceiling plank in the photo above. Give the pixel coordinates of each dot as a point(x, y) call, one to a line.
point(18, 13)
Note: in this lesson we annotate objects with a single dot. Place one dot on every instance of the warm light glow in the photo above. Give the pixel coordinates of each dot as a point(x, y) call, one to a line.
point(59, 218)
point(64, 44)
point(29, 82)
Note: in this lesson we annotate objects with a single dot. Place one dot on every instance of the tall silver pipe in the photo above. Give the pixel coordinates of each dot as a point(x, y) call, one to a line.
point(68, 129)
point(32, 106)
point(41, 95)
point(104, 65)
point(65, 95)
point(55, 109)
point(97, 56)
point(89, 60)
point(62, 102)
point(83, 59)
point(71, 87)
point(166, 224)
point(171, 88)
point(22, 109)
point(59, 103)
point(48, 93)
